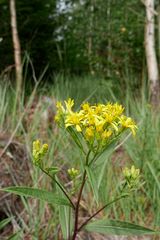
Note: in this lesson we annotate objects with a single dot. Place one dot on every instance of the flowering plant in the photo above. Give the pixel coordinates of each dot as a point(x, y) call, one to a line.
point(94, 129)
point(98, 124)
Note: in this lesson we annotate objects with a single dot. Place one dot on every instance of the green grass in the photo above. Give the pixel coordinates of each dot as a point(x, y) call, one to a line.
point(143, 151)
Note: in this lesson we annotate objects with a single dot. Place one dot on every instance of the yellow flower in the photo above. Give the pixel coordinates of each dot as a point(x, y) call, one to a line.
point(99, 124)
point(113, 110)
point(44, 148)
point(118, 109)
point(60, 112)
point(85, 107)
point(128, 122)
point(69, 104)
point(106, 134)
point(109, 117)
point(60, 108)
point(74, 119)
point(90, 119)
point(99, 127)
point(96, 122)
point(99, 109)
point(36, 145)
point(89, 134)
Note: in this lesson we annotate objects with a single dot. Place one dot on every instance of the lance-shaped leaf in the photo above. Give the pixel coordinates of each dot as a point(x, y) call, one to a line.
point(114, 227)
point(41, 194)
point(93, 182)
point(65, 218)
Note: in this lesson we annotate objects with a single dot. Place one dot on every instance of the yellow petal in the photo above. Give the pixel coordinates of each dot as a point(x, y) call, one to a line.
point(78, 128)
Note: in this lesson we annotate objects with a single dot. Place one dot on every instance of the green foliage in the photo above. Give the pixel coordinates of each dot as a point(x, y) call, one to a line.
point(6, 49)
point(15, 236)
point(66, 221)
point(4, 222)
point(92, 177)
point(117, 228)
point(142, 151)
point(86, 37)
point(41, 194)
point(112, 36)
point(94, 128)
point(36, 24)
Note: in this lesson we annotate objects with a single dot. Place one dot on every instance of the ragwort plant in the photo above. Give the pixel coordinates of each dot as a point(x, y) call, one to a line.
point(94, 129)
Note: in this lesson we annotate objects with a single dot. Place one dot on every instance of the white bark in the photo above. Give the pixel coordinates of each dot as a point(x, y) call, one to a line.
point(16, 46)
point(152, 65)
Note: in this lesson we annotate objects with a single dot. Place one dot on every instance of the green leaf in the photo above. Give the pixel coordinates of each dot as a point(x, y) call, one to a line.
point(75, 137)
point(93, 182)
point(65, 218)
point(117, 228)
point(105, 154)
point(38, 193)
point(103, 161)
point(66, 221)
point(4, 222)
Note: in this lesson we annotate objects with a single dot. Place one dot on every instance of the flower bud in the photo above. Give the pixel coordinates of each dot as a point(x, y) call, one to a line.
point(132, 176)
point(38, 152)
point(72, 172)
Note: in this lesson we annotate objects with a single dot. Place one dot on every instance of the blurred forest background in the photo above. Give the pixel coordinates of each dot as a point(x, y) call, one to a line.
point(104, 38)
point(90, 50)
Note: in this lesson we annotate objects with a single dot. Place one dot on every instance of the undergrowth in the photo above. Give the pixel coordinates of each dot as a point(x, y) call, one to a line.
point(142, 151)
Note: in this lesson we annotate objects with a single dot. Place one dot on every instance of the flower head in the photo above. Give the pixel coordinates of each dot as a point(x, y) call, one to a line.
point(69, 104)
point(127, 122)
point(74, 119)
point(89, 133)
point(98, 124)
point(85, 107)
point(38, 151)
point(60, 112)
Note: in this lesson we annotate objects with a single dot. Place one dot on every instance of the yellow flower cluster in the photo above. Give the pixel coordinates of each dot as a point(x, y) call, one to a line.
point(38, 151)
point(98, 123)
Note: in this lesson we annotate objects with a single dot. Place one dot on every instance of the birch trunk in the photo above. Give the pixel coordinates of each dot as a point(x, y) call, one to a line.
point(152, 65)
point(158, 23)
point(17, 48)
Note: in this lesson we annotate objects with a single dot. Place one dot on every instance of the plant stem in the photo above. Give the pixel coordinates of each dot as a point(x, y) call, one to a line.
point(77, 207)
point(59, 185)
point(101, 209)
point(78, 201)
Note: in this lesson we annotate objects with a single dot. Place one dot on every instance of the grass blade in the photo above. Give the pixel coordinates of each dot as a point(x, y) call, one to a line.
point(4, 222)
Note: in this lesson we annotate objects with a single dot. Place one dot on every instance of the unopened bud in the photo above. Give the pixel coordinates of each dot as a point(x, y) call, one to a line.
point(72, 172)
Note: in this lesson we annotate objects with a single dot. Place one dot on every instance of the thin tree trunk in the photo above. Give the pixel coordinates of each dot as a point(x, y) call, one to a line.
point(152, 65)
point(109, 47)
point(158, 23)
point(17, 49)
point(90, 39)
